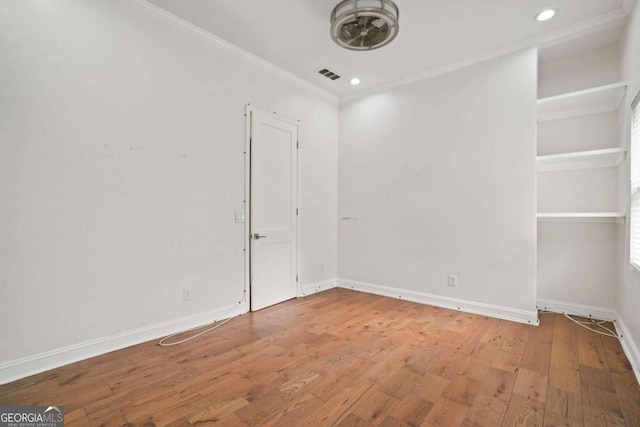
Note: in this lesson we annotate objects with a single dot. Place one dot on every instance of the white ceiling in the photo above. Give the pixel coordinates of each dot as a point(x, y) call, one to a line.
point(435, 35)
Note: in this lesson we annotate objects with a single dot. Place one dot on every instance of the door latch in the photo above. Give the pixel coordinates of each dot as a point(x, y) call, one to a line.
point(256, 236)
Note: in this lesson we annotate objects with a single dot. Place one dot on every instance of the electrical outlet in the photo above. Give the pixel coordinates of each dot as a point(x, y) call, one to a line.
point(186, 294)
point(239, 217)
point(453, 280)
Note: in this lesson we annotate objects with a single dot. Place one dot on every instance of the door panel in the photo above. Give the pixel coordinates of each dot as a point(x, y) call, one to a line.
point(272, 169)
point(272, 277)
point(273, 210)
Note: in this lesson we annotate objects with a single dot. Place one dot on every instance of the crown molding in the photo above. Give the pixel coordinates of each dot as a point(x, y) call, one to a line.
point(210, 38)
point(600, 23)
point(581, 29)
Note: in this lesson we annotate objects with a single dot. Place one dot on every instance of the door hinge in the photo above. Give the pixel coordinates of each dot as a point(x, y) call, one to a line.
point(297, 212)
point(297, 278)
point(297, 144)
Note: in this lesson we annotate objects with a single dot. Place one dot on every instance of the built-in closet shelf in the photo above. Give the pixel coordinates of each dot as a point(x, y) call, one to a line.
point(615, 217)
point(606, 158)
point(590, 101)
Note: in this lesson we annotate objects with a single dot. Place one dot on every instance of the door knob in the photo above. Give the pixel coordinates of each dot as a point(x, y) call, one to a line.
point(256, 236)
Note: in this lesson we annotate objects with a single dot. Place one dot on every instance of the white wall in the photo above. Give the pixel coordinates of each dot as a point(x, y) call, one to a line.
point(121, 167)
point(580, 190)
point(629, 287)
point(583, 69)
point(438, 178)
point(580, 133)
point(577, 266)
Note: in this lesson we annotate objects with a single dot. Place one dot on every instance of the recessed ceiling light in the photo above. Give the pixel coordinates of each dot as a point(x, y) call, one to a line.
point(545, 15)
point(355, 81)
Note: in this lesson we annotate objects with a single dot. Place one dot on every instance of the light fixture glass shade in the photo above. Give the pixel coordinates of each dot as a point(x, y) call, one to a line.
point(364, 24)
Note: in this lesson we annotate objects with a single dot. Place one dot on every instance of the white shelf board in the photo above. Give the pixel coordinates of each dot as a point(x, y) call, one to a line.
point(611, 217)
point(606, 158)
point(590, 101)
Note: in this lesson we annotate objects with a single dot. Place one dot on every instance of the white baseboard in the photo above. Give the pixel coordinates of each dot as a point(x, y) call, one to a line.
point(576, 309)
point(31, 365)
point(314, 288)
point(629, 346)
point(516, 315)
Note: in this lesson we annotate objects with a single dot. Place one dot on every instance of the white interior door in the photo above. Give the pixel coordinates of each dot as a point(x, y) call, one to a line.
point(273, 226)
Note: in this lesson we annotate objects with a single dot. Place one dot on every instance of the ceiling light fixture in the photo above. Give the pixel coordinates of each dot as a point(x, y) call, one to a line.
point(364, 24)
point(355, 81)
point(545, 15)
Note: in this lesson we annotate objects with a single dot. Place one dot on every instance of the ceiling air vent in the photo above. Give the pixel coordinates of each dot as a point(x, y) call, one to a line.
point(329, 74)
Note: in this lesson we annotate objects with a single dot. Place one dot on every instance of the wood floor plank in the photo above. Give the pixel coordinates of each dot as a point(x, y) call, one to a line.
point(374, 405)
point(590, 349)
point(336, 408)
point(395, 357)
point(507, 360)
point(475, 368)
point(217, 411)
point(76, 418)
point(399, 382)
point(563, 407)
point(515, 339)
point(324, 388)
point(446, 413)
point(486, 411)
point(628, 393)
point(348, 358)
point(564, 351)
point(531, 384)
point(564, 379)
point(448, 364)
point(523, 411)
point(616, 359)
point(412, 410)
point(222, 388)
point(601, 407)
point(150, 404)
point(431, 387)
point(424, 358)
point(169, 414)
point(598, 378)
point(537, 355)
point(389, 421)
point(498, 383)
point(352, 420)
point(296, 408)
point(462, 390)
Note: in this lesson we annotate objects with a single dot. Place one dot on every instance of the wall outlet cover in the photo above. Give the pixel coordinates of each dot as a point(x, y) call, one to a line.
point(453, 280)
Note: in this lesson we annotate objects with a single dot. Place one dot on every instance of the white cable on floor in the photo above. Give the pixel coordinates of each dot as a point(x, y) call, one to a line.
point(586, 325)
point(591, 322)
point(215, 324)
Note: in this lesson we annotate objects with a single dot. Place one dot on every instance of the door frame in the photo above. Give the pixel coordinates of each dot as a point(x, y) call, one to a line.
point(249, 109)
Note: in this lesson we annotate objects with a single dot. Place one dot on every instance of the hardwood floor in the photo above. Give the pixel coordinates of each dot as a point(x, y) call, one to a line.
point(351, 359)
